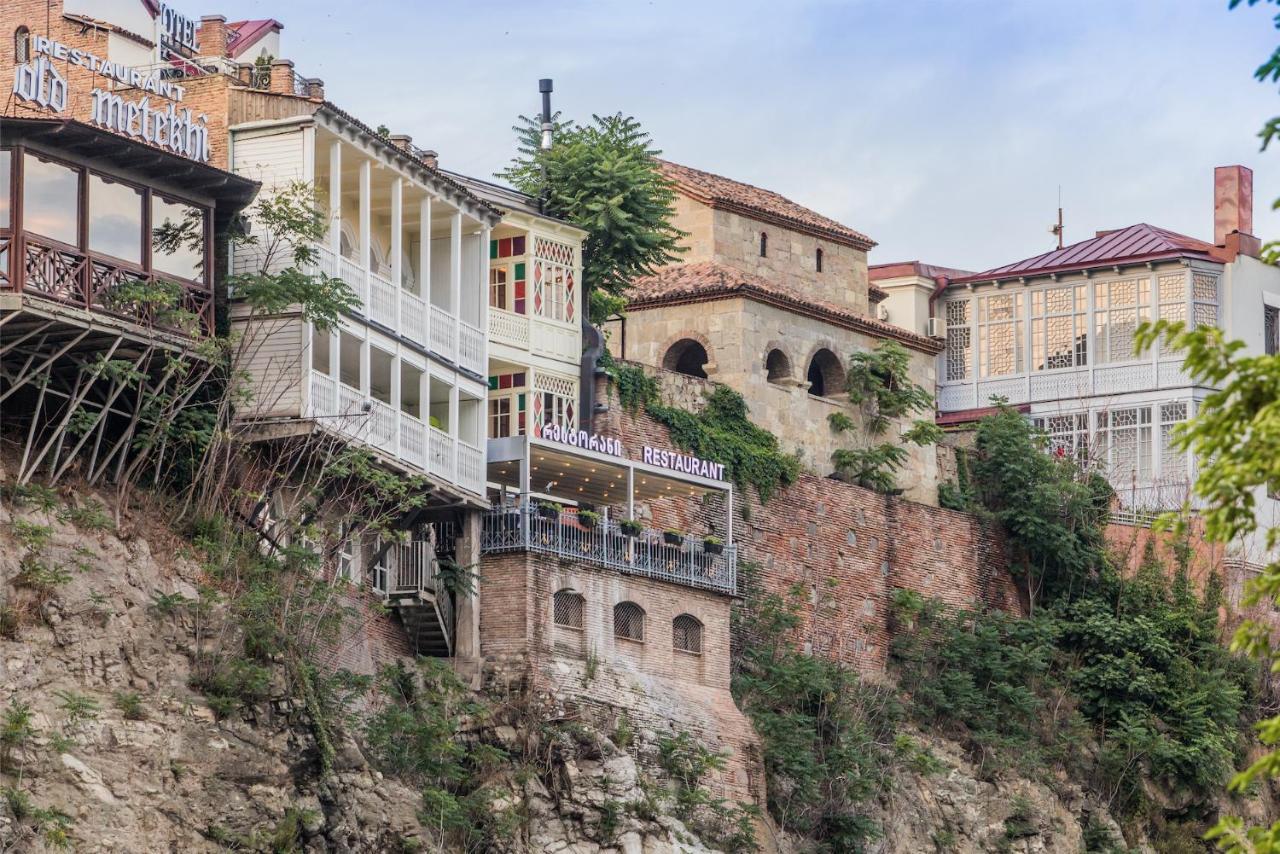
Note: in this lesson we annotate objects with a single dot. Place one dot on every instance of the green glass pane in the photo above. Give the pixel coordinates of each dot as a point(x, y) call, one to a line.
point(493, 383)
point(493, 249)
point(520, 403)
point(520, 271)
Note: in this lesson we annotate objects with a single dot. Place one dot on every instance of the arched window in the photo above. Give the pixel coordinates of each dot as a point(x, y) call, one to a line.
point(22, 45)
point(568, 607)
point(764, 245)
point(688, 357)
point(817, 259)
point(628, 621)
point(778, 366)
point(686, 634)
point(826, 374)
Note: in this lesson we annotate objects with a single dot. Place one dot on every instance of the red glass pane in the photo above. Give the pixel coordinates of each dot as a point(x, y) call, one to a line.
point(504, 247)
point(504, 381)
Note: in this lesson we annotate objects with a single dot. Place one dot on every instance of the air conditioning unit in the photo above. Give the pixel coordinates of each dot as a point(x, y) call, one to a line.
point(882, 311)
point(932, 328)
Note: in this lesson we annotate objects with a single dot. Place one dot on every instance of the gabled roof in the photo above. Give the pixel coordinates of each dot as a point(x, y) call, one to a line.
point(899, 269)
point(242, 35)
point(765, 205)
point(1134, 244)
point(705, 281)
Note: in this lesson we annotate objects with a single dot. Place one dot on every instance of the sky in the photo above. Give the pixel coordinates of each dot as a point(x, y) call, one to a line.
point(943, 130)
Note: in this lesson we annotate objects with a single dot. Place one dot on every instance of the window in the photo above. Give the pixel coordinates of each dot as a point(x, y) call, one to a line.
point(1068, 435)
point(777, 366)
point(1059, 336)
point(115, 219)
point(628, 621)
point(817, 260)
point(1171, 293)
point(568, 608)
point(346, 569)
point(825, 374)
point(1204, 299)
point(686, 634)
point(6, 171)
point(687, 357)
point(959, 340)
point(553, 280)
point(764, 245)
point(1124, 444)
point(51, 200)
point(380, 572)
point(177, 239)
point(1271, 329)
point(1173, 462)
point(498, 287)
point(21, 45)
point(1000, 334)
point(1118, 309)
point(500, 417)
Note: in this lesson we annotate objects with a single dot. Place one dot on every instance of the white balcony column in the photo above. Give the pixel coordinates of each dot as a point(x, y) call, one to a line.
point(424, 249)
point(455, 264)
point(366, 223)
point(482, 322)
point(395, 402)
point(365, 385)
point(453, 413)
point(335, 199)
point(397, 244)
point(335, 362)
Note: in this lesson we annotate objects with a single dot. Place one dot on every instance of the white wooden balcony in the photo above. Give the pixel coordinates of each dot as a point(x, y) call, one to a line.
point(537, 335)
point(1065, 385)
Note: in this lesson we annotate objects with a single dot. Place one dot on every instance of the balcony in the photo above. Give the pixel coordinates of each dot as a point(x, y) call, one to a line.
point(380, 426)
point(406, 313)
point(519, 529)
point(541, 337)
point(1067, 384)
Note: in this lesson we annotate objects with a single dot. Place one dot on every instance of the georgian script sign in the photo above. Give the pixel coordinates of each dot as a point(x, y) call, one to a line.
point(162, 123)
point(685, 463)
point(582, 439)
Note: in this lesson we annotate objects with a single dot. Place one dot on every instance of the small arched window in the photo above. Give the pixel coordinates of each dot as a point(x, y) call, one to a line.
point(628, 621)
point(817, 259)
point(687, 357)
point(22, 45)
point(568, 606)
point(778, 366)
point(686, 634)
point(825, 374)
point(764, 245)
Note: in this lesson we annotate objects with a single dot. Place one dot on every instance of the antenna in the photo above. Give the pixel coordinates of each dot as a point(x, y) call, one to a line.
point(1056, 230)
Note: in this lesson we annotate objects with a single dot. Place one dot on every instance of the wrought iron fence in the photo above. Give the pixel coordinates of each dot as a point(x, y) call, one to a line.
point(510, 529)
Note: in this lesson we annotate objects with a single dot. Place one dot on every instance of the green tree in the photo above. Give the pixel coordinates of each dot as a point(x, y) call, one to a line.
point(604, 178)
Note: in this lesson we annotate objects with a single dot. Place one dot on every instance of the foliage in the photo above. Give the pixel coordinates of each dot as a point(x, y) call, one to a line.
point(723, 826)
point(130, 705)
point(604, 178)
point(828, 739)
point(16, 729)
point(871, 468)
point(721, 431)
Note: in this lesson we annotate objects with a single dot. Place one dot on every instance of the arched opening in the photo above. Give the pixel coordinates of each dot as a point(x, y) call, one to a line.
point(687, 357)
point(778, 366)
point(817, 259)
point(22, 45)
point(628, 621)
point(568, 607)
point(826, 374)
point(686, 634)
point(764, 245)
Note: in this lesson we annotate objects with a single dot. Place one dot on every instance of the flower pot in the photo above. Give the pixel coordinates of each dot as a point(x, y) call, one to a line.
point(672, 539)
point(630, 531)
point(548, 512)
point(713, 548)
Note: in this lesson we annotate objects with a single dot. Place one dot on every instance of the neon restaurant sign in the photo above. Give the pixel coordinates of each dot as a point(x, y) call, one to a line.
point(161, 124)
point(661, 457)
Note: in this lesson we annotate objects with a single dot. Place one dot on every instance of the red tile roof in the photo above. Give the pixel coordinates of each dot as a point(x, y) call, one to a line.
point(968, 416)
point(241, 35)
point(1136, 243)
point(707, 280)
point(898, 269)
point(765, 205)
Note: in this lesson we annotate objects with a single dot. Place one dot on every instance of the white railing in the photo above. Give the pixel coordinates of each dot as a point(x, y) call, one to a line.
point(356, 278)
point(471, 473)
point(506, 327)
point(325, 261)
point(382, 301)
point(441, 449)
point(324, 394)
point(1103, 379)
point(556, 340)
point(471, 349)
point(383, 427)
point(444, 334)
point(413, 440)
point(413, 317)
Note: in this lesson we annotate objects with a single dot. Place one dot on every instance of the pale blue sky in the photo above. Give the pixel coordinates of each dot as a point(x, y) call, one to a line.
point(941, 129)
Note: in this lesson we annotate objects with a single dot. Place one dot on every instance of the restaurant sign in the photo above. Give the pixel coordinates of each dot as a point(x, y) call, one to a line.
point(684, 463)
point(582, 439)
point(674, 460)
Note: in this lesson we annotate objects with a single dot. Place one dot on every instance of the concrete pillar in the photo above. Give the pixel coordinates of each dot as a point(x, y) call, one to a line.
point(466, 644)
point(335, 198)
point(366, 229)
point(397, 228)
point(282, 77)
point(455, 263)
point(424, 249)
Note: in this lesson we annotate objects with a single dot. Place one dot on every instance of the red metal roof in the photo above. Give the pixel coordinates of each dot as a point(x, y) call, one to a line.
point(897, 269)
point(241, 35)
point(1139, 242)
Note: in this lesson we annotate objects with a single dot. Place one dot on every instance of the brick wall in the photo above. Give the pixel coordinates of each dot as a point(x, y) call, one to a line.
point(370, 638)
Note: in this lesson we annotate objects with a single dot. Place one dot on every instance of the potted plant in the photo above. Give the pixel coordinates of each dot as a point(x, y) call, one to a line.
point(630, 528)
point(672, 537)
point(588, 518)
point(549, 509)
point(712, 545)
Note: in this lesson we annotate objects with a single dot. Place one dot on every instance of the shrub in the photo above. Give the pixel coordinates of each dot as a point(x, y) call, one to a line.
point(130, 704)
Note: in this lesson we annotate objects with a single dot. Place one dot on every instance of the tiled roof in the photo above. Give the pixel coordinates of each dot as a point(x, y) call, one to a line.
point(241, 35)
point(766, 205)
point(1136, 243)
point(707, 280)
point(968, 416)
point(880, 272)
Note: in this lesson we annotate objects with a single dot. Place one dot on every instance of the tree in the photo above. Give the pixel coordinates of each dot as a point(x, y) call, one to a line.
point(602, 177)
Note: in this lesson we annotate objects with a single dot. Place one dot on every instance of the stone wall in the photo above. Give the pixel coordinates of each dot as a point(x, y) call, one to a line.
point(738, 335)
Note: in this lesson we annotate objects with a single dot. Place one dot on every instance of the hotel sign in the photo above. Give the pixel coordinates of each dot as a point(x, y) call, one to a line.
point(177, 31)
point(160, 123)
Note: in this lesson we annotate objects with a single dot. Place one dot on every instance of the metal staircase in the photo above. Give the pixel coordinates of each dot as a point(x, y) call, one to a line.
point(414, 590)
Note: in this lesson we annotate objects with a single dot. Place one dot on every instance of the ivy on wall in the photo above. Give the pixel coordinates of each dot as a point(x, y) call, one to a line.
point(721, 431)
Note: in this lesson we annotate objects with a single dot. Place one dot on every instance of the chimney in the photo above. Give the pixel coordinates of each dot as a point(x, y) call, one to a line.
point(1232, 202)
point(429, 157)
point(402, 141)
point(211, 37)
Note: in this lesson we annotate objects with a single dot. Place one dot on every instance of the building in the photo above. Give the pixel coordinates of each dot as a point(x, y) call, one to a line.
point(1054, 334)
point(771, 299)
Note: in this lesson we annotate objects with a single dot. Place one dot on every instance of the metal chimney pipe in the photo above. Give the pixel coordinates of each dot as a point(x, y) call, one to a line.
point(544, 86)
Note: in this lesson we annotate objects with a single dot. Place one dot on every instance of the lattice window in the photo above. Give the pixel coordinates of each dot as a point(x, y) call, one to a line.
point(1059, 336)
point(628, 621)
point(1124, 443)
point(1119, 308)
point(1204, 299)
point(1000, 334)
point(568, 608)
point(959, 339)
point(1271, 329)
point(1173, 462)
point(1171, 292)
point(553, 279)
point(686, 634)
point(555, 401)
point(1068, 435)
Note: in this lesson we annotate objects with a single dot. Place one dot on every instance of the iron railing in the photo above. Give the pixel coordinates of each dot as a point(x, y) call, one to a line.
point(515, 529)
